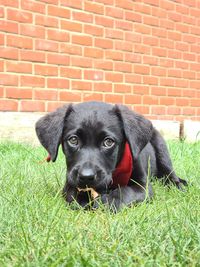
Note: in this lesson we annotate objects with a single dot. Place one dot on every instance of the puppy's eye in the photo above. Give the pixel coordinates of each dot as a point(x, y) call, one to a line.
point(73, 140)
point(108, 142)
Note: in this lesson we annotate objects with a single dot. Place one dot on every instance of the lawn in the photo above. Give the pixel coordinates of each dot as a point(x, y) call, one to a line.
point(37, 228)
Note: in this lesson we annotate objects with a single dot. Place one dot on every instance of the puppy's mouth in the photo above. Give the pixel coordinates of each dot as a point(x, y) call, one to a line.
point(101, 181)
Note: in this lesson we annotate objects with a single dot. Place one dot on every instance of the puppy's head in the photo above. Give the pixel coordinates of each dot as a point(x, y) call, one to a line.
point(93, 135)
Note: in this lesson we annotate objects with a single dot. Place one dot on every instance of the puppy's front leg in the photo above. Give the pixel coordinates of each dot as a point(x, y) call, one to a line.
point(125, 196)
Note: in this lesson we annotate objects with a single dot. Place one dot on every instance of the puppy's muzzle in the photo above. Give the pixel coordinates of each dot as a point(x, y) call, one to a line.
point(87, 175)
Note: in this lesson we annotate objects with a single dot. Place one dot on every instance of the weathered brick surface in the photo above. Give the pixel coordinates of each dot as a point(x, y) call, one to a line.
point(141, 53)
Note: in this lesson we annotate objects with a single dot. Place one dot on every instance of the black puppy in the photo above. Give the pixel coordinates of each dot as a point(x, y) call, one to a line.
point(108, 148)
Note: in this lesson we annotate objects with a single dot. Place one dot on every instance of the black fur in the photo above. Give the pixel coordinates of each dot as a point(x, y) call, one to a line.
point(85, 130)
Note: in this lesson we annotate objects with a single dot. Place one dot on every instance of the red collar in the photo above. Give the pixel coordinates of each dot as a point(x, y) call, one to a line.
point(122, 173)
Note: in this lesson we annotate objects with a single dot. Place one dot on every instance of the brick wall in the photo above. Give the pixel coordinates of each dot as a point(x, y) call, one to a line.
point(141, 53)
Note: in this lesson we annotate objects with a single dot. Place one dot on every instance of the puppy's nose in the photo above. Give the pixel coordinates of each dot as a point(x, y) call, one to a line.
point(87, 175)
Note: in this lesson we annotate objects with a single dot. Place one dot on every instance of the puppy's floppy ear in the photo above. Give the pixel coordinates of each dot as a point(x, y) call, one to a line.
point(49, 129)
point(137, 129)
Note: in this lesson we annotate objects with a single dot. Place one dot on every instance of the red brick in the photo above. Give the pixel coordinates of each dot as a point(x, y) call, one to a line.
point(32, 30)
point(94, 7)
point(18, 67)
point(141, 28)
point(93, 52)
point(8, 105)
point(158, 110)
point(150, 100)
point(150, 40)
point(123, 67)
point(122, 88)
point(10, 3)
point(18, 93)
point(70, 49)
point(2, 14)
point(103, 64)
point(133, 16)
point(133, 99)
point(124, 46)
point(114, 12)
point(69, 96)
point(81, 85)
point(20, 16)
point(2, 65)
point(2, 39)
point(181, 64)
point(9, 53)
point(71, 3)
point(114, 34)
point(167, 82)
point(141, 69)
point(69, 72)
point(149, 60)
point(58, 35)
point(8, 26)
point(182, 83)
point(84, 17)
point(139, 7)
point(141, 89)
point(32, 106)
point(46, 94)
point(46, 70)
point(8, 79)
point(103, 43)
point(103, 87)
point(114, 55)
point(33, 6)
point(167, 101)
point(1, 92)
point(113, 98)
point(71, 26)
point(113, 77)
point(18, 41)
point(150, 20)
point(174, 92)
point(52, 106)
point(93, 75)
point(150, 80)
point(160, 91)
point(188, 111)
point(46, 21)
point(124, 25)
point(28, 55)
point(82, 40)
point(81, 62)
point(58, 83)
point(104, 21)
point(182, 102)
point(32, 81)
point(92, 97)
point(133, 37)
point(188, 93)
point(142, 49)
point(195, 102)
point(131, 57)
point(133, 78)
point(175, 73)
point(142, 109)
point(93, 30)
point(126, 4)
point(160, 52)
point(173, 110)
point(58, 11)
point(57, 59)
point(46, 45)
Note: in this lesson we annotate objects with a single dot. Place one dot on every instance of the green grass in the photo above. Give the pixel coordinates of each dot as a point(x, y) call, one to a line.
point(37, 228)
